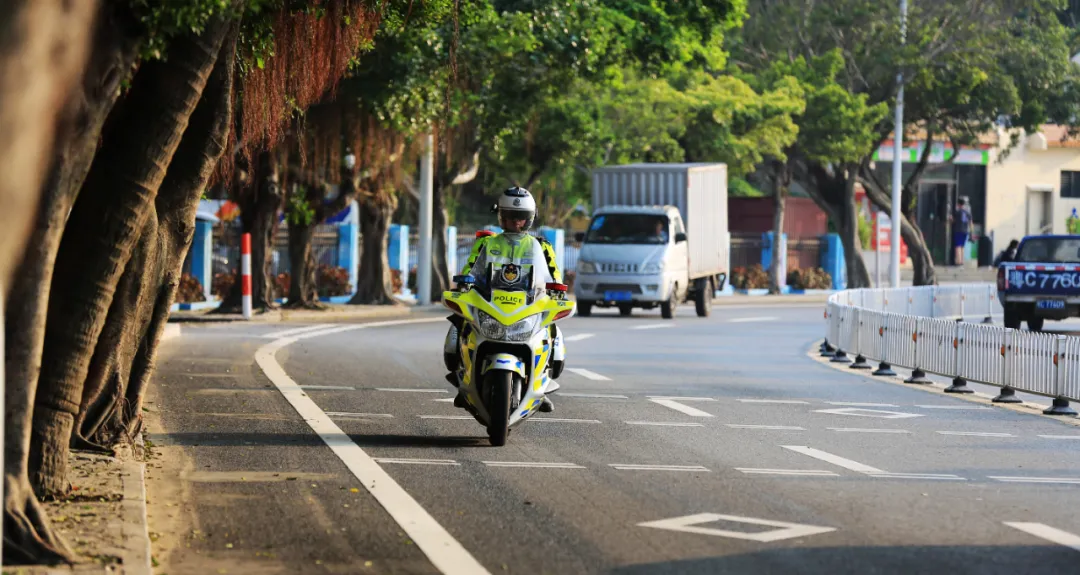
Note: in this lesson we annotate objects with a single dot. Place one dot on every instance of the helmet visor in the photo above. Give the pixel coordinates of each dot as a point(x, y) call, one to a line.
point(515, 214)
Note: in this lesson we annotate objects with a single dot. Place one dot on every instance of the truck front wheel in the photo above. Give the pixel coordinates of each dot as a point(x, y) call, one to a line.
point(1012, 318)
point(667, 308)
point(1036, 323)
point(584, 308)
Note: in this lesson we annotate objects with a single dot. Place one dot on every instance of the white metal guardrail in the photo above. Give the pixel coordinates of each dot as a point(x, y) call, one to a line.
point(946, 330)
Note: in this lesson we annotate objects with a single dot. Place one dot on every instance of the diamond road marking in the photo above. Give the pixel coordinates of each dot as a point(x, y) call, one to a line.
point(860, 412)
point(689, 524)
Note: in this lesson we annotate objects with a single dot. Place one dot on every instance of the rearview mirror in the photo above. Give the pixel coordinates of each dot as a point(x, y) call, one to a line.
point(680, 238)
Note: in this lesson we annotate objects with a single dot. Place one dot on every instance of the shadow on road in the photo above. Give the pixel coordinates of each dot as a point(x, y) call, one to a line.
point(901, 560)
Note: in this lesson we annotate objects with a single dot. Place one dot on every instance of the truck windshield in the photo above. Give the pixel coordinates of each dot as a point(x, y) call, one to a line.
point(1049, 250)
point(628, 229)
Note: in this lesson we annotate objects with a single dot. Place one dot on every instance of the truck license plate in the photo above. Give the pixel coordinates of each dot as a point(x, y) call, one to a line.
point(618, 296)
point(1050, 304)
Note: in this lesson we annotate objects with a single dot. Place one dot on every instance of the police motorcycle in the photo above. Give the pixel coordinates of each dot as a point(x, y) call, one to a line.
point(507, 344)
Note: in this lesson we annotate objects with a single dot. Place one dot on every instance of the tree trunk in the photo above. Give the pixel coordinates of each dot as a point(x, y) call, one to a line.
point(782, 182)
point(922, 262)
point(375, 285)
point(140, 138)
point(258, 216)
point(857, 274)
point(43, 48)
point(440, 269)
point(27, 534)
point(110, 410)
point(302, 290)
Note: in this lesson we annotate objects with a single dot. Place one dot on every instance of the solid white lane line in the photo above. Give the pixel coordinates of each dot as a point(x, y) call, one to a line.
point(639, 467)
point(665, 423)
point(940, 476)
point(858, 404)
point(296, 331)
point(1065, 480)
point(359, 415)
point(748, 426)
point(959, 407)
point(654, 326)
point(533, 464)
point(977, 433)
point(807, 472)
point(445, 400)
point(444, 552)
point(771, 401)
point(564, 420)
point(412, 390)
point(1060, 436)
point(588, 374)
point(416, 461)
point(454, 417)
point(579, 336)
point(868, 430)
point(330, 387)
point(834, 459)
point(692, 411)
point(1048, 533)
point(592, 395)
point(752, 319)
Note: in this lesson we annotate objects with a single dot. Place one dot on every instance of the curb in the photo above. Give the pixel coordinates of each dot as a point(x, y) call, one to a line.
point(136, 554)
point(338, 312)
point(936, 388)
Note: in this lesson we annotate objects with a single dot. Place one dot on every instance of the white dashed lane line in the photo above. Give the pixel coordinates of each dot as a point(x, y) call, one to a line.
point(587, 374)
point(675, 403)
point(642, 467)
point(867, 430)
point(976, 433)
point(665, 423)
point(579, 337)
point(788, 472)
point(752, 319)
point(1048, 533)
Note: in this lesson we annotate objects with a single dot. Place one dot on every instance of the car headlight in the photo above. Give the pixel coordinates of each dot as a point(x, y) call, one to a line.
point(586, 267)
point(653, 268)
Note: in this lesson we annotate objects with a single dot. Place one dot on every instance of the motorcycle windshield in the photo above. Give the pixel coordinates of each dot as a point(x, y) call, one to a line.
point(522, 271)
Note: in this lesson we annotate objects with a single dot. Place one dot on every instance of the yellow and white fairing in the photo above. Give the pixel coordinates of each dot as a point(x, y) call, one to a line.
point(510, 323)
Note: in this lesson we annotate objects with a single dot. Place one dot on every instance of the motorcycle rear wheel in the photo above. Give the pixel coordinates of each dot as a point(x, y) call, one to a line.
point(500, 385)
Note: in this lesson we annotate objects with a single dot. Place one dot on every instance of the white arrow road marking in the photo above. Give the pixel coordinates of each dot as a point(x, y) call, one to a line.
point(445, 553)
point(868, 430)
point(533, 464)
point(665, 423)
point(678, 406)
point(786, 530)
point(1065, 480)
point(752, 319)
point(588, 374)
point(578, 337)
point(297, 331)
point(771, 401)
point(806, 472)
point(1048, 533)
point(359, 415)
point(641, 467)
point(834, 459)
point(977, 433)
point(860, 412)
point(416, 461)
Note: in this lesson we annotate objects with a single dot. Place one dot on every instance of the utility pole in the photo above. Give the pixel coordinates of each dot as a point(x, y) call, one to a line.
point(897, 167)
point(423, 266)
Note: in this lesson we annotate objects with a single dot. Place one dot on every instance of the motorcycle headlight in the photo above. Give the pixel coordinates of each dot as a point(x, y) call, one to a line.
point(586, 267)
point(490, 327)
point(524, 329)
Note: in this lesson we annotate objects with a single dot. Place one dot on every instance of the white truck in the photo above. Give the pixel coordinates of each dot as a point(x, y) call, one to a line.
point(658, 237)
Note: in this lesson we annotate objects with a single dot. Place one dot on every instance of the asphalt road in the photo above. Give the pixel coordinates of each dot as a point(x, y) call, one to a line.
point(685, 446)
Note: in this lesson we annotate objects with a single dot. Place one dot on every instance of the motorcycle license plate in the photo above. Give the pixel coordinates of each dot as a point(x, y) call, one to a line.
point(1050, 304)
point(618, 296)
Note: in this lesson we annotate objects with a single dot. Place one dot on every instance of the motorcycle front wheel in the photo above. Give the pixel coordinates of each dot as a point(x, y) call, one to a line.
point(500, 385)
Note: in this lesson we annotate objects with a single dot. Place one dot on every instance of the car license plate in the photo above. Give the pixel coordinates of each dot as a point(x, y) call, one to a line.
point(1050, 304)
point(618, 296)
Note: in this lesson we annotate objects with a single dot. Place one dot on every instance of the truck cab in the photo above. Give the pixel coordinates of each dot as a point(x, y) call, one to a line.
point(633, 256)
point(1041, 282)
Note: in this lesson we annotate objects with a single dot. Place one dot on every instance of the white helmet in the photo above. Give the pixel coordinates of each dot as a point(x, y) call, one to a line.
point(519, 202)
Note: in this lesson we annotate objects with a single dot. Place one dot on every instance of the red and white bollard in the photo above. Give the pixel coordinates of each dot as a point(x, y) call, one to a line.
point(245, 274)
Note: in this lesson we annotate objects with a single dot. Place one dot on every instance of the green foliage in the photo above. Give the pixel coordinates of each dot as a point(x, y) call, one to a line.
point(298, 210)
point(163, 20)
point(740, 188)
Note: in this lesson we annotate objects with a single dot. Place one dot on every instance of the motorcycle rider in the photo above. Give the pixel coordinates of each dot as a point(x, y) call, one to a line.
point(516, 210)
